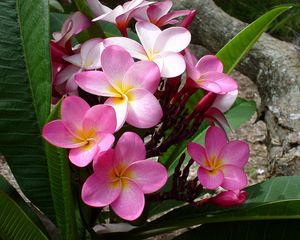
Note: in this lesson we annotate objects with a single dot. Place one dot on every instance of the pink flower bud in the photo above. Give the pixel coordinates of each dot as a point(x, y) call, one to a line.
point(229, 198)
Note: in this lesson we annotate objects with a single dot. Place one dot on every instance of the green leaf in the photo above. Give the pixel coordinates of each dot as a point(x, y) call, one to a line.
point(232, 53)
point(14, 223)
point(250, 230)
point(60, 182)
point(56, 6)
point(15, 196)
point(25, 86)
point(278, 198)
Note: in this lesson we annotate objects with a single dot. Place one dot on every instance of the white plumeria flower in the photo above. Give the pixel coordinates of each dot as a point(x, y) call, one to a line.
point(161, 47)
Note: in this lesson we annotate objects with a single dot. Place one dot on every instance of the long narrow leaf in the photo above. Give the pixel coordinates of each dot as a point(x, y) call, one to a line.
point(60, 182)
point(25, 85)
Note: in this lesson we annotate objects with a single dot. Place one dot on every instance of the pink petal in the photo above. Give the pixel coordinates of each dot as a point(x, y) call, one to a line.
point(66, 74)
point(209, 63)
point(135, 49)
point(97, 192)
point(98, 8)
point(210, 179)
point(144, 110)
point(168, 18)
point(73, 110)
point(142, 74)
point(130, 148)
point(215, 140)
point(130, 203)
point(210, 86)
point(74, 59)
point(234, 178)
point(226, 83)
point(103, 165)
point(235, 153)
point(224, 102)
point(120, 106)
point(57, 134)
point(191, 61)
point(197, 153)
point(147, 33)
point(100, 118)
point(83, 155)
point(111, 15)
point(95, 82)
point(115, 63)
point(174, 39)
point(170, 64)
point(105, 141)
point(229, 198)
point(90, 53)
point(149, 175)
point(158, 10)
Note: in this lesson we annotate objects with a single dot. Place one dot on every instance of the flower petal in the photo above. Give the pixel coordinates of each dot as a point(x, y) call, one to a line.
point(174, 39)
point(100, 118)
point(149, 175)
point(158, 10)
point(66, 74)
point(95, 82)
point(169, 18)
point(103, 166)
point(120, 106)
point(225, 101)
point(130, 148)
point(131, 201)
point(210, 179)
point(210, 86)
point(73, 110)
point(98, 8)
point(105, 141)
point(209, 63)
point(191, 61)
point(135, 49)
point(99, 193)
point(235, 153)
point(90, 53)
point(226, 83)
point(197, 153)
point(74, 59)
point(115, 63)
point(83, 155)
point(234, 178)
point(215, 140)
point(147, 33)
point(57, 134)
point(142, 74)
point(144, 110)
point(170, 64)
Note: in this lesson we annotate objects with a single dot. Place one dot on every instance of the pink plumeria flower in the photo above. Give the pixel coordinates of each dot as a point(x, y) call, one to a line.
point(129, 86)
point(223, 102)
point(122, 176)
point(74, 24)
point(161, 47)
point(121, 15)
point(158, 14)
point(89, 56)
point(221, 162)
point(83, 129)
point(229, 198)
point(207, 73)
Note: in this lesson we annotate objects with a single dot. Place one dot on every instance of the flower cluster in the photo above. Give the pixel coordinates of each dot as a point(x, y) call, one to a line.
point(114, 84)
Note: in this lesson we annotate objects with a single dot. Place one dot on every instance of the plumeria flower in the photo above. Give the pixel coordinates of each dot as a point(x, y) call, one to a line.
point(121, 15)
point(158, 14)
point(129, 86)
point(74, 24)
point(83, 129)
point(229, 198)
point(122, 176)
point(207, 73)
point(89, 56)
point(221, 162)
point(161, 47)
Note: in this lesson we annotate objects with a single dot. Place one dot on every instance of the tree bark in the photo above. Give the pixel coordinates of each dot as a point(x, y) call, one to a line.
point(273, 65)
